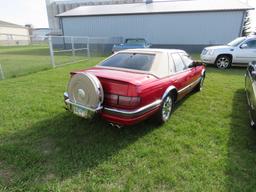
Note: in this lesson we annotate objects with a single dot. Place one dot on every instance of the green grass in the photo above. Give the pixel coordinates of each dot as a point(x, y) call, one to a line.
point(206, 146)
point(23, 60)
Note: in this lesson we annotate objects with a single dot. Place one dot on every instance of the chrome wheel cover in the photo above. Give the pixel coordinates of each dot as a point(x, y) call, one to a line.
point(85, 89)
point(167, 108)
point(222, 62)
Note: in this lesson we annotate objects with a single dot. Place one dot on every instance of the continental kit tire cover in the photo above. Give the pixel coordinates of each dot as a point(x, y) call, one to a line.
point(85, 89)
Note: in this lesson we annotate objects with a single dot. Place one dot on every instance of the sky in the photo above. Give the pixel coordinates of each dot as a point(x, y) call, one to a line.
point(24, 12)
point(34, 12)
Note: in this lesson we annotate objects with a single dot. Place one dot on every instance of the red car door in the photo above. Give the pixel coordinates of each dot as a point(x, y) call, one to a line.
point(183, 76)
point(193, 72)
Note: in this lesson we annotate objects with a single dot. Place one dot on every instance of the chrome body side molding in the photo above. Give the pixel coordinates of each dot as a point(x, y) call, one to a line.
point(190, 85)
point(132, 113)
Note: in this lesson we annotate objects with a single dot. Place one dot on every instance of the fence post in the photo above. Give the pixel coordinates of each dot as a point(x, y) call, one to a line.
point(51, 52)
point(88, 47)
point(2, 72)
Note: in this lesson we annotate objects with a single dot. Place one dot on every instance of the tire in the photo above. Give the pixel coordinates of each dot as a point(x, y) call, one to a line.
point(199, 86)
point(252, 123)
point(223, 62)
point(166, 109)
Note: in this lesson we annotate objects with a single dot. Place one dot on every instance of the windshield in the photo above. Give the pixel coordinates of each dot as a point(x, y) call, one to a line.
point(135, 41)
point(237, 41)
point(135, 61)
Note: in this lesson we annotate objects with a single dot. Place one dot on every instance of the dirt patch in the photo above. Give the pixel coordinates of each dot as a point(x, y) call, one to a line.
point(5, 174)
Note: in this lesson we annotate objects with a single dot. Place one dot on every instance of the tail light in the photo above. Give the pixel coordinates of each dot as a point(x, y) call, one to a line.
point(111, 98)
point(122, 100)
point(129, 101)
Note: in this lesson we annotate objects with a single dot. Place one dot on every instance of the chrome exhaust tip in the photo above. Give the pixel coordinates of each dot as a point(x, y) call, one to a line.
point(118, 126)
point(115, 125)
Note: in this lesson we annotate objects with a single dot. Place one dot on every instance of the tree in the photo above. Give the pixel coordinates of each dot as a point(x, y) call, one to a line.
point(247, 25)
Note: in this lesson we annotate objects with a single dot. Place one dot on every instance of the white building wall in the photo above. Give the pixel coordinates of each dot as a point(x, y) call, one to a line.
point(198, 28)
point(14, 36)
point(13, 30)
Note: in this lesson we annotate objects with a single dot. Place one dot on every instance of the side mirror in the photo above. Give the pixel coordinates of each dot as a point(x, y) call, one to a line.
point(244, 46)
point(195, 64)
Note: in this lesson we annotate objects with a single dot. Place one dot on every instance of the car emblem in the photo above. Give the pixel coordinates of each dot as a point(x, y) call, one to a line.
point(81, 93)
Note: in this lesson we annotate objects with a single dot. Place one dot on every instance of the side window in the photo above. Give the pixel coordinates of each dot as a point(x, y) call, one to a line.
point(251, 44)
point(186, 59)
point(171, 64)
point(179, 65)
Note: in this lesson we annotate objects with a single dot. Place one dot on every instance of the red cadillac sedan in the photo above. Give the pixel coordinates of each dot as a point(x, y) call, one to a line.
point(132, 85)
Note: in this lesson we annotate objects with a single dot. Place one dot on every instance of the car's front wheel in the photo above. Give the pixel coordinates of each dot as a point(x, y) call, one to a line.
point(166, 109)
point(223, 62)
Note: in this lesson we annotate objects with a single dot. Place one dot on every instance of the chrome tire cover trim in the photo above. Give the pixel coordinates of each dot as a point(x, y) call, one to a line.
point(85, 89)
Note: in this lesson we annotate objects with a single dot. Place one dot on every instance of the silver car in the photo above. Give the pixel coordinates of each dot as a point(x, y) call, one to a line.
point(240, 51)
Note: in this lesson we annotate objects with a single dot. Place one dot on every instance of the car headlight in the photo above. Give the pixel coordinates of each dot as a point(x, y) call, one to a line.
point(210, 52)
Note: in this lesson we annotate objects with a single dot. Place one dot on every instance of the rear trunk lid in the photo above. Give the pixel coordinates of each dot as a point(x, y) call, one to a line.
point(121, 82)
point(122, 75)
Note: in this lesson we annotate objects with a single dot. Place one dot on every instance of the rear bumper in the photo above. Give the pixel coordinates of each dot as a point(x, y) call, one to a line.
point(132, 113)
point(118, 116)
point(122, 120)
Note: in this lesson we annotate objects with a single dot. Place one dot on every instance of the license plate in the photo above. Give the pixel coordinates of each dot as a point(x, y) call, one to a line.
point(80, 112)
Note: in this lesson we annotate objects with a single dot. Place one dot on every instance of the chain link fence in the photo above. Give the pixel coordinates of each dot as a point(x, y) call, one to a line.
point(67, 49)
point(21, 55)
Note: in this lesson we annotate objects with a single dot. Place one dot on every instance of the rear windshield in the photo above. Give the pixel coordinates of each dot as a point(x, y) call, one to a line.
point(135, 41)
point(135, 61)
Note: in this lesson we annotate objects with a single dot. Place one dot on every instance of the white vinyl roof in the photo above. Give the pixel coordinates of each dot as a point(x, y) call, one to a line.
point(158, 7)
point(160, 65)
point(152, 50)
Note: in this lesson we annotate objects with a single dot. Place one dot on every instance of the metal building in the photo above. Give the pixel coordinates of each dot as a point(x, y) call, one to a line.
point(13, 34)
point(186, 24)
point(55, 7)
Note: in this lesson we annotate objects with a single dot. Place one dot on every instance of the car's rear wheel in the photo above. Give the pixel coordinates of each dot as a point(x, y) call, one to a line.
point(166, 109)
point(223, 62)
point(252, 123)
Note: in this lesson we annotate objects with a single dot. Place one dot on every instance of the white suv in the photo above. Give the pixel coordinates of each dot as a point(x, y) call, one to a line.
point(239, 51)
